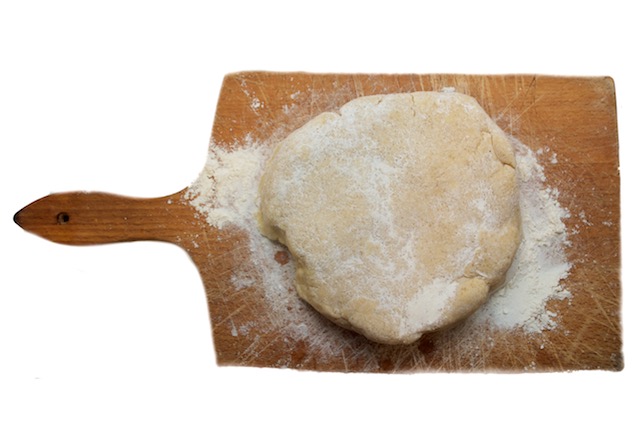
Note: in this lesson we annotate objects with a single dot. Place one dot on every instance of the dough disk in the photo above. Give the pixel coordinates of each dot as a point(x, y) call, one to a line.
point(400, 211)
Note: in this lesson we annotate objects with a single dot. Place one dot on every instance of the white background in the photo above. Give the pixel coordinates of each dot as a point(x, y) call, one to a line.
point(120, 97)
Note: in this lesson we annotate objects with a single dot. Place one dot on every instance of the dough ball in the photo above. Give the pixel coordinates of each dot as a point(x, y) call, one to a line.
point(400, 211)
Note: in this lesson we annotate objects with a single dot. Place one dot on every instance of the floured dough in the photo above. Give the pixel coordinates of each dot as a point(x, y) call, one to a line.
point(400, 211)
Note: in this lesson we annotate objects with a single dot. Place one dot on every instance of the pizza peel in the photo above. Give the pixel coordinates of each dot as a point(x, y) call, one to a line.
point(574, 117)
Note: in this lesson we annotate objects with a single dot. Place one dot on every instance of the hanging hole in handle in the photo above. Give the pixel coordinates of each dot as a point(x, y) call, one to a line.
point(63, 218)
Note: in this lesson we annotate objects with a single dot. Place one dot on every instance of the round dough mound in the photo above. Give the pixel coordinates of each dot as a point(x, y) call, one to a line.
point(400, 211)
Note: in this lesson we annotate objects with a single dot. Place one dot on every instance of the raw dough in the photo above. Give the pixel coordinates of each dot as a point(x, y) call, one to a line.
point(400, 211)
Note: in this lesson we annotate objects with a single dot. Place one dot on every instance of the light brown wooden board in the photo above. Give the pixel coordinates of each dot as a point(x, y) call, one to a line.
point(574, 118)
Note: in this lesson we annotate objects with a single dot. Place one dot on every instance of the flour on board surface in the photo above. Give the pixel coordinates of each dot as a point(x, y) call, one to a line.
point(226, 194)
point(540, 263)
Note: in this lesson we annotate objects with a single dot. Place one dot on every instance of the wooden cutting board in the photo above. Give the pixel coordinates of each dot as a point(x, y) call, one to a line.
point(574, 118)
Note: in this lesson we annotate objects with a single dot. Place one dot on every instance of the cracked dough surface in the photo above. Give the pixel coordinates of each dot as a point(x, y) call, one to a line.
point(400, 211)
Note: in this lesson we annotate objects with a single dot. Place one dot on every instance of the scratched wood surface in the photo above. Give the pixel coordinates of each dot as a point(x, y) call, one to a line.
point(572, 121)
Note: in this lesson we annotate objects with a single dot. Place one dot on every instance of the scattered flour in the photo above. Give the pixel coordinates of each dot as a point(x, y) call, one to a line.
point(226, 194)
point(540, 262)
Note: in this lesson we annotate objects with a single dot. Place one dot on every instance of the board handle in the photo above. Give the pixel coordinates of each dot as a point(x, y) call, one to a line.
point(87, 218)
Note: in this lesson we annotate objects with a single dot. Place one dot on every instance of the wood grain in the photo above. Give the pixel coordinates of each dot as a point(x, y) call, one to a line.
point(572, 118)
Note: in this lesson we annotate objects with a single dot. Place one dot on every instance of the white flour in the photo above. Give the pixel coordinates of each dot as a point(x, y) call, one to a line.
point(540, 263)
point(226, 194)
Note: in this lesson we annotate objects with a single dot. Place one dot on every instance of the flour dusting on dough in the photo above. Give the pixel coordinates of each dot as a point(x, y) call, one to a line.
point(373, 203)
